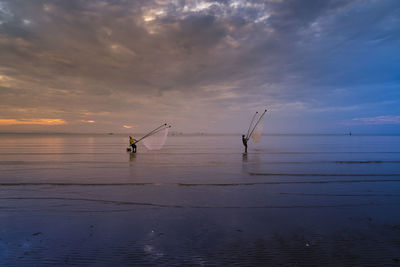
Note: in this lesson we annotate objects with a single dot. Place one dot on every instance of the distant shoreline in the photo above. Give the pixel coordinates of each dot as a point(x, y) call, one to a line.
point(199, 134)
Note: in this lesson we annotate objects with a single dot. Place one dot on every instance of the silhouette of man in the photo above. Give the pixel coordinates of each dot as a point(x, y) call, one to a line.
point(244, 140)
point(132, 142)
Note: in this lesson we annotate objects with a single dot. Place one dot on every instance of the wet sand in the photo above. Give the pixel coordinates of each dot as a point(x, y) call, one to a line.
point(291, 201)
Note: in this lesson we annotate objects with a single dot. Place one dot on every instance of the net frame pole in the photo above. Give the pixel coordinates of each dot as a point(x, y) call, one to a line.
point(156, 130)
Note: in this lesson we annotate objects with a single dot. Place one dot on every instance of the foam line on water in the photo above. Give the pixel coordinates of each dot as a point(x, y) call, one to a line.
point(340, 195)
point(119, 202)
point(334, 162)
point(326, 174)
point(202, 184)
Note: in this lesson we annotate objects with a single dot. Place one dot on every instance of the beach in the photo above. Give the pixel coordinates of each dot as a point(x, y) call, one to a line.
point(293, 200)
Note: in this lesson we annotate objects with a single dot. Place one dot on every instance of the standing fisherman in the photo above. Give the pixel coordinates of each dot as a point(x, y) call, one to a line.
point(132, 142)
point(253, 129)
point(244, 140)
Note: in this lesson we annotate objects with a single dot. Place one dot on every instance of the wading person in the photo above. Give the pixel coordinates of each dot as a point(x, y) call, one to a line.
point(244, 140)
point(132, 142)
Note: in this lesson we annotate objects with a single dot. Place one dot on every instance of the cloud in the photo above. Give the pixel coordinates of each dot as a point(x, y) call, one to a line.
point(32, 122)
point(375, 120)
point(146, 61)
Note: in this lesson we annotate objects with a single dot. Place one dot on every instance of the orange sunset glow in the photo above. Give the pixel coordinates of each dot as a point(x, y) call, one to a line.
point(32, 122)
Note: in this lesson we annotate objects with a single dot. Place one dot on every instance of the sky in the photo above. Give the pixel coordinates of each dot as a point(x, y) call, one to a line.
point(120, 66)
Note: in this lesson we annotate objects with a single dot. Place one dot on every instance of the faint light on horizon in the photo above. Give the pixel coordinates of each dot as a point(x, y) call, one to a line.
point(88, 121)
point(32, 122)
point(375, 120)
point(127, 126)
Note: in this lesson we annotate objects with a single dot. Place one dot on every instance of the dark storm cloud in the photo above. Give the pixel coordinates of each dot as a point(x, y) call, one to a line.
point(82, 57)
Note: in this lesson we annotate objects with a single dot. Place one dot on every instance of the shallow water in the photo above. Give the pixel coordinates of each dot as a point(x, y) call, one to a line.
point(292, 200)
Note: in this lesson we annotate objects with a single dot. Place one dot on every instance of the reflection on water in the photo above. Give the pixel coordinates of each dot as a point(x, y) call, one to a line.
point(202, 200)
point(300, 161)
point(132, 156)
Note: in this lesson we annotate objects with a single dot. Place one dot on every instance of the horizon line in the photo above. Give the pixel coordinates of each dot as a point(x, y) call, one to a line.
point(177, 133)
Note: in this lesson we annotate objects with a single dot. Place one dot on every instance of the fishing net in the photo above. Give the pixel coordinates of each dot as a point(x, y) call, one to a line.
point(156, 141)
point(257, 132)
point(251, 126)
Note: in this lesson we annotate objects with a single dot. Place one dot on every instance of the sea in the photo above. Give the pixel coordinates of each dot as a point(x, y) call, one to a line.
point(292, 200)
